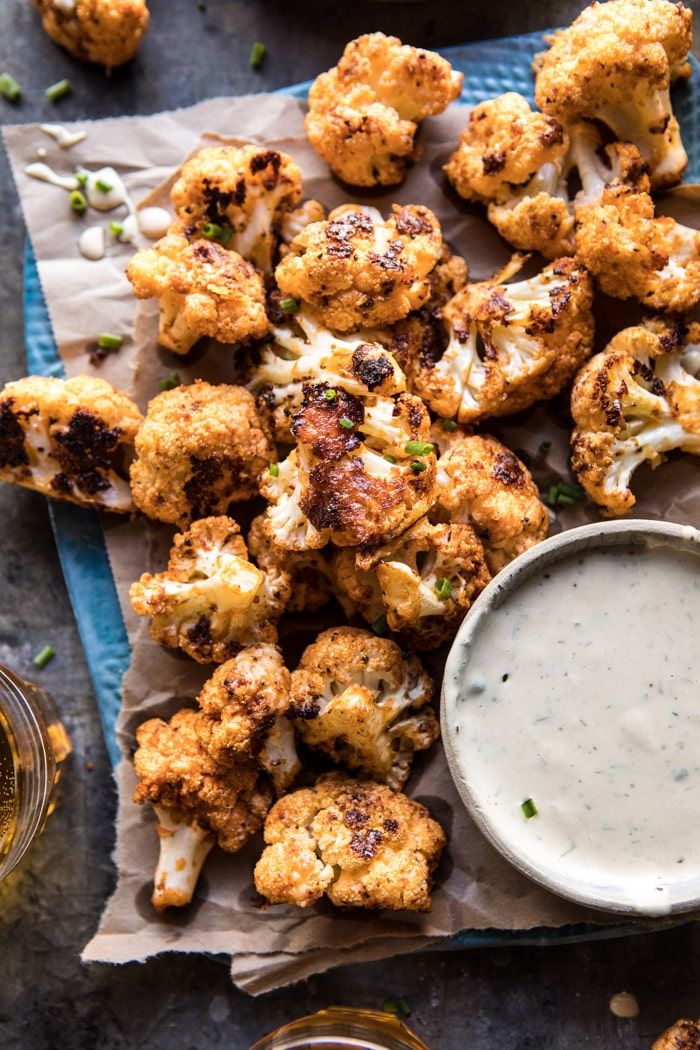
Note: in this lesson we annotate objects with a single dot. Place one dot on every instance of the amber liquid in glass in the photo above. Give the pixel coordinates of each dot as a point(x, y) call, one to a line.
point(8, 791)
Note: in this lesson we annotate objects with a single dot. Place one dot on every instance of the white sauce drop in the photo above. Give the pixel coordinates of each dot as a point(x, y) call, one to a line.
point(153, 222)
point(91, 242)
point(106, 200)
point(622, 1004)
point(581, 693)
point(63, 136)
point(67, 7)
point(46, 174)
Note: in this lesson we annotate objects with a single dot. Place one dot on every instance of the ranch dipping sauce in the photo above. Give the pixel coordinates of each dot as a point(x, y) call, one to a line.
point(574, 718)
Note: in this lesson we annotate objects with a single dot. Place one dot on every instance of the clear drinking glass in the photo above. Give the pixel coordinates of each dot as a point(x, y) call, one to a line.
point(342, 1028)
point(33, 744)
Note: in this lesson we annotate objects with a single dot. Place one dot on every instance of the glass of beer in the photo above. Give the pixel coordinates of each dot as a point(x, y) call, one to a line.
point(341, 1027)
point(33, 743)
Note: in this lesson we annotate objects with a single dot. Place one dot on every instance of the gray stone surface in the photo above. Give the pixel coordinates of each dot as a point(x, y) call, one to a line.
point(544, 997)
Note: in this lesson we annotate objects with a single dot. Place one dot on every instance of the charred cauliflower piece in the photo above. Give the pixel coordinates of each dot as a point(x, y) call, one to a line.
point(211, 601)
point(70, 439)
point(482, 483)
point(361, 701)
point(632, 254)
point(107, 32)
point(203, 290)
point(683, 1035)
point(197, 800)
point(200, 448)
point(356, 270)
point(509, 345)
point(364, 113)
point(633, 403)
point(616, 64)
point(311, 573)
point(361, 844)
point(246, 191)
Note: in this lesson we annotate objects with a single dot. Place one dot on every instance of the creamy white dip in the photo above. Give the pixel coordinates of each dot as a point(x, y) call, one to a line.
point(581, 693)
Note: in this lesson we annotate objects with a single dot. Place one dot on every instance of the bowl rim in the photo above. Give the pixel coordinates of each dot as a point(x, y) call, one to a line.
point(637, 532)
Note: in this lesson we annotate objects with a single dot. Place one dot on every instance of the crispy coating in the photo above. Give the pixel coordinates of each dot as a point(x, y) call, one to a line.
point(312, 582)
point(422, 583)
point(246, 190)
point(361, 844)
point(70, 439)
point(615, 64)
point(364, 113)
point(362, 701)
point(200, 448)
point(683, 1035)
point(632, 254)
point(203, 290)
point(211, 601)
point(107, 32)
point(482, 483)
point(508, 345)
point(633, 403)
point(356, 270)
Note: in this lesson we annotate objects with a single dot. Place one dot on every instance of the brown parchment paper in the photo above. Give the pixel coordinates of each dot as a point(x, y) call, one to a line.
point(476, 888)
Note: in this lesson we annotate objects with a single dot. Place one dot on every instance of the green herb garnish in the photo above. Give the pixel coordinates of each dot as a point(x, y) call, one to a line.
point(274, 470)
point(417, 467)
point(109, 342)
point(443, 588)
point(404, 1006)
point(288, 305)
point(346, 424)
point(529, 808)
point(116, 229)
point(419, 448)
point(449, 424)
point(390, 459)
point(102, 186)
point(212, 231)
point(9, 88)
point(170, 382)
point(78, 202)
point(44, 655)
point(391, 1006)
point(330, 395)
point(257, 54)
point(58, 90)
point(563, 494)
point(380, 625)
point(545, 446)
point(81, 177)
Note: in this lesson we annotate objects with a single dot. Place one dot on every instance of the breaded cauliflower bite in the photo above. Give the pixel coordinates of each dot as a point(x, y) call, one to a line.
point(683, 1035)
point(197, 800)
point(211, 601)
point(633, 254)
point(312, 581)
point(361, 844)
point(200, 448)
point(245, 191)
point(633, 403)
point(356, 270)
point(508, 345)
point(71, 439)
point(482, 483)
point(364, 113)
point(203, 290)
point(616, 64)
point(107, 32)
point(363, 702)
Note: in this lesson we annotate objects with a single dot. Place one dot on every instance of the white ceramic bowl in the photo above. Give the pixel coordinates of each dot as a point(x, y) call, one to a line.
point(584, 889)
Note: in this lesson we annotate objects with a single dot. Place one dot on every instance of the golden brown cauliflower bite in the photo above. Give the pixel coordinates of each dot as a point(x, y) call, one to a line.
point(683, 1035)
point(615, 64)
point(240, 195)
point(312, 581)
point(359, 843)
point(506, 346)
point(483, 484)
point(362, 701)
point(364, 113)
point(107, 32)
point(71, 439)
point(211, 601)
point(200, 448)
point(633, 254)
point(198, 801)
point(203, 290)
point(634, 403)
point(357, 270)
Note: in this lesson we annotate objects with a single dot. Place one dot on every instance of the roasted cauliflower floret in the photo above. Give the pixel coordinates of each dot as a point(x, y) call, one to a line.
point(683, 1035)
point(200, 448)
point(362, 844)
point(364, 703)
point(632, 254)
point(509, 345)
point(362, 472)
point(482, 483)
point(246, 191)
point(356, 270)
point(211, 601)
point(311, 573)
point(616, 64)
point(298, 218)
point(364, 113)
point(634, 403)
point(198, 801)
point(203, 290)
point(107, 32)
point(71, 439)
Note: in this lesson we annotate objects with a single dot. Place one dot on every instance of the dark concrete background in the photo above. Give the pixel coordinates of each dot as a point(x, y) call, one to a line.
point(515, 998)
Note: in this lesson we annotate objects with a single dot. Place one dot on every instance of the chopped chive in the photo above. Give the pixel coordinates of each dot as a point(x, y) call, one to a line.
point(109, 342)
point(449, 424)
point(380, 625)
point(330, 395)
point(288, 305)
point(82, 178)
point(564, 500)
point(226, 235)
point(102, 186)
point(404, 1006)
point(78, 202)
point(257, 54)
point(552, 493)
point(274, 470)
point(9, 88)
point(391, 1006)
point(346, 424)
point(417, 467)
point(58, 90)
point(529, 808)
point(116, 229)
point(212, 231)
point(545, 446)
point(170, 382)
point(443, 588)
point(44, 655)
point(419, 448)
point(574, 491)
point(390, 459)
